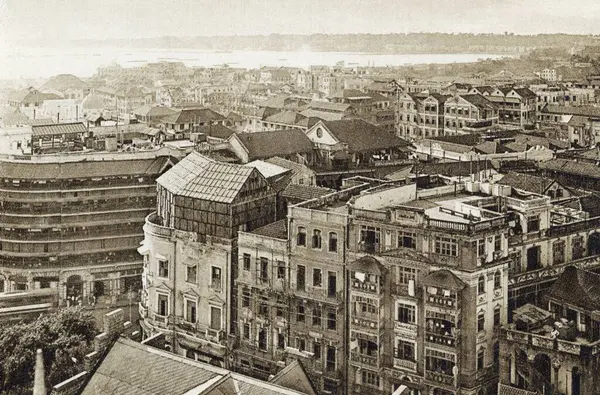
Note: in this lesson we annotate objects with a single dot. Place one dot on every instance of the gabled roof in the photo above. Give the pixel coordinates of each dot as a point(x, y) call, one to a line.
point(525, 93)
point(577, 287)
point(295, 167)
point(275, 143)
point(491, 147)
point(287, 117)
point(200, 177)
point(193, 115)
point(527, 182)
point(484, 89)
point(478, 101)
point(571, 167)
point(219, 131)
point(465, 139)
point(268, 170)
point(443, 279)
point(439, 97)
point(157, 372)
point(295, 376)
point(362, 136)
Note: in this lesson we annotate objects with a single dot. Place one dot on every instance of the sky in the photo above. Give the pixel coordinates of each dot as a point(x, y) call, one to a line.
point(48, 21)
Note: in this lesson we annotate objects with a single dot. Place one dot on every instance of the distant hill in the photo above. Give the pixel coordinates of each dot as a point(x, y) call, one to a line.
point(375, 43)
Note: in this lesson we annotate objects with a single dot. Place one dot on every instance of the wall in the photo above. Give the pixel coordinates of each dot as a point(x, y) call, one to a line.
point(377, 200)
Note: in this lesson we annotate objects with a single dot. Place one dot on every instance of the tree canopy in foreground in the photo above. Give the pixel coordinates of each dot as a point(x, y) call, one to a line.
point(64, 336)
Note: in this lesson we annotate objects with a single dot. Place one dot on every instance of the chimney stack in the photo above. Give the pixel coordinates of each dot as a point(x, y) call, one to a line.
point(39, 384)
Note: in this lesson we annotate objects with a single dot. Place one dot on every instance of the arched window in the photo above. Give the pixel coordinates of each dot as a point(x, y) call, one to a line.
point(497, 279)
point(301, 237)
point(481, 285)
point(333, 242)
point(316, 239)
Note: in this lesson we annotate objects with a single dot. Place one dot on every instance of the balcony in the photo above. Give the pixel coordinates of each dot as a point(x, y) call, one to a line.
point(365, 287)
point(446, 302)
point(582, 349)
point(485, 123)
point(78, 195)
point(142, 310)
point(405, 364)
point(443, 340)
point(405, 327)
point(154, 227)
point(441, 378)
point(574, 227)
point(551, 272)
point(364, 360)
point(370, 326)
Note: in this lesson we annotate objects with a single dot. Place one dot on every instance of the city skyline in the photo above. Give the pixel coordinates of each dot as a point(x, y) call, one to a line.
point(59, 21)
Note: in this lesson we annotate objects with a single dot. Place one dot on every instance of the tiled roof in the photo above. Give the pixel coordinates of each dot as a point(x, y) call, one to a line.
point(465, 139)
point(324, 115)
point(577, 287)
point(527, 182)
point(268, 170)
point(157, 372)
point(509, 390)
point(288, 164)
point(275, 143)
point(153, 111)
point(14, 119)
point(525, 93)
point(295, 376)
point(218, 131)
point(199, 177)
point(478, 101)
point(275, 230)
point(362, 136)
point(193, 115)
point(62, 82)
point(233, 116)
point(573, 110)
point(323, 105)
point(60, 128)
point(492, 147)
point(287, 117)
point(304, 192)
point(81, 170)
point(454, 169)
point(571, 167)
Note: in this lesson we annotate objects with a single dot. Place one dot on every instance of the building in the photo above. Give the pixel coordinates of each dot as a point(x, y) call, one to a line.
point(555, 348)
point(516, 106)
point(469, 113)
point(71, 225)
point(191, 254)
point(290, 144)
point(372, 107)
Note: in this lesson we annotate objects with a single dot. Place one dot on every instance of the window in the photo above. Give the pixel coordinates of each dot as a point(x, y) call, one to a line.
point(481, 285)
point(481, 247)
point(498, 243)
point(264, 269)
point(191, 274)
point(497, 279)
point(215, 277)
point(262, 339)
point(316, 239)
point(405, 350)
point(190, 311)
point(246, 261)
point(331, 320)
point(578, 248)
point(316, 316)
point(300, 344)
point(406, 274)
point(317, 278)
point(480, 358)
point(496, 352)
point(163, 305)
point(301, 278)
point(446, 246)
point(263, 308)
point(406, 313)
point(215, 318)
point(301, 313)
point(481, 322)
point(370, 378)
point(280, 341)
point(281, 270)
point(333, 242)
point(317, 350)
point(245, 297)
point(497, 312)
point(407, 240)
point(533, 224)
point(330, 362)
point(163, 268)
point(246, 331)
point(370, 238)
point(301, 238)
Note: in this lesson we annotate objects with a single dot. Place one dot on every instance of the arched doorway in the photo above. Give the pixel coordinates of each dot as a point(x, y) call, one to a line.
point(594, 244)
point(74, 289)
point(541, 373)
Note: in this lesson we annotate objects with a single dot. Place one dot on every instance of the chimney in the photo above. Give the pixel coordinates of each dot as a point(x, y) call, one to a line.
point(39, 384)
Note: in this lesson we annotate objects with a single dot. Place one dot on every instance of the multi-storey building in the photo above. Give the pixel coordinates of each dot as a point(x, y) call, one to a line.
point(469, 113)
point(421, 115)
point(431, 116)
point(191, 255)
point(516, 106)
point(555, 349)
point(71, 224)
point(408, 108)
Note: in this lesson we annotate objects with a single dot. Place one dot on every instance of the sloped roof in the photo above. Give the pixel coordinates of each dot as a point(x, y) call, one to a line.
point(504, 389)
point(193, 115)
point(484, 89)
point(328, 106)
point(527, 182)
point(577, 287)
point(454, 169)
point(287, 117)
point(288, 164)
point(218, 131)
point(295, 376)
point(492, 147)
point(157, 372)
point(31, 95)
point(443, 279)
point(465, 139)
point(324, 115)
point(200, 177)
point(275, 230)
point(362, 136)
point(525, 93)
point(268, 170)
point(478, 100)
point(62, 82)
point(571, 167)
point(590, 204)
point(234, 116)
point(275, 143)
point(573, 110)
point(59, 128)
point(304, 192)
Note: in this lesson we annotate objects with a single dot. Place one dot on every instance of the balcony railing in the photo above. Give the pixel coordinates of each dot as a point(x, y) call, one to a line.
point(366, 286)
point(405, 364)
point(444, 340)
point(551, 272)
point(574, 227)
point(580, 349)
point(448, 302)
point(363, 359)
point(439, 377)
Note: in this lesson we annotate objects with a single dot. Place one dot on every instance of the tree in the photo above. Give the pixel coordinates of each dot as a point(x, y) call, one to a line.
point(64, 336)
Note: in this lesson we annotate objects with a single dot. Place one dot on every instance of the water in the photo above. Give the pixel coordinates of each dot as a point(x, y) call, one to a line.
point(83, 62)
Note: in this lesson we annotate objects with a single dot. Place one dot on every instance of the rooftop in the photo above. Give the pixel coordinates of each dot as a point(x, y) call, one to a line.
point(275, 230)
